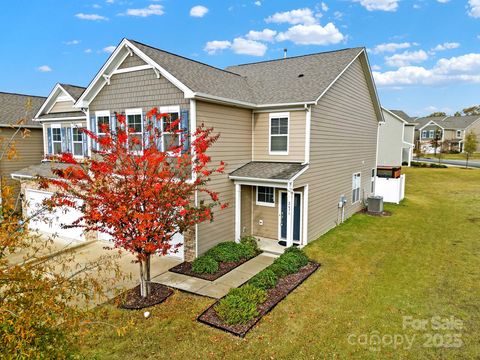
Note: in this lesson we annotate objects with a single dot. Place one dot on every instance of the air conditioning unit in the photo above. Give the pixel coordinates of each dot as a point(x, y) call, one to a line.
point(375, 204)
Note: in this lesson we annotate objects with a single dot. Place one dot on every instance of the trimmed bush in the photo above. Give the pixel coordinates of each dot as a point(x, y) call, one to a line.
point(289, 262)
point(251, 242)
point(299, 255)
point(227, 251)
point(266, 279)
point(240, 305)
point(205, 264)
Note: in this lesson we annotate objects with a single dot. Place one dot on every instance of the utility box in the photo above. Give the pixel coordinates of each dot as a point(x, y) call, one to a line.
point(375, 204)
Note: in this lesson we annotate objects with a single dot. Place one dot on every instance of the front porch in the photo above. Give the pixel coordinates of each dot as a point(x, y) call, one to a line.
point(269, 206)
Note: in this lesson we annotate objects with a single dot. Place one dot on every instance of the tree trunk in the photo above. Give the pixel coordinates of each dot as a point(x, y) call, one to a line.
point(466, 164)
point(145, 276)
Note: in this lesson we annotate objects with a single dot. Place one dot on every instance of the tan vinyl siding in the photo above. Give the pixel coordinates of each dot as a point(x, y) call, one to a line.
point(475, 128)
point(296, 138)
point(138, 89)
point(132, 61)
point(246, 216)
point(62, 106)
point(390, 141)
point(409, 134)
point(29, 152)
point(233, 147)
point(451, 135)
point(269, 215)
point(343, 142)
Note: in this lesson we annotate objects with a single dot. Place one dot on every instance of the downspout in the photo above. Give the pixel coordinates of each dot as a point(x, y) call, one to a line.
point(193, 128)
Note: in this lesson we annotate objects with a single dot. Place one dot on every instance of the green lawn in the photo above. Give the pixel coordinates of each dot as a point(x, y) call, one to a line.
point(475, 156)
point(423, 261)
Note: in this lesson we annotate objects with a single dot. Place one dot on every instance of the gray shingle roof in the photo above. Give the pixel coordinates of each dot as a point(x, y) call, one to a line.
point(62, 115)
point(13, 107)
point(401, 114)
point(421, 122)
point(73, 90)
point(294, 79)
point(268, 170)
point(459, 122)
point(291, 80)
point(43, 169)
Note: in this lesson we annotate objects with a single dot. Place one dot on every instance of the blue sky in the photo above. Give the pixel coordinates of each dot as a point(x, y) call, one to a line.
point(425, 53)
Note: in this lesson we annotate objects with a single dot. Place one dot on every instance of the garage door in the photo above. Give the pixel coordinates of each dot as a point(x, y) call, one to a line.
point(51, 222)
point(177, 239)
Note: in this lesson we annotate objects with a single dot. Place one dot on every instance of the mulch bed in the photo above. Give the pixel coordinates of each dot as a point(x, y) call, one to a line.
point(284, 287)
point(382, 214)
point(131, 299)
point(185, 268)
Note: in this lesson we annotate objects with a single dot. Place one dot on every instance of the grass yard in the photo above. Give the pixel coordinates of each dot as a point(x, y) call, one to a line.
point(475, 156)
point(423, 261)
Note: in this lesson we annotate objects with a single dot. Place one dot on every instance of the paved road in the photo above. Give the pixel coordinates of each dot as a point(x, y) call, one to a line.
point(471, 163)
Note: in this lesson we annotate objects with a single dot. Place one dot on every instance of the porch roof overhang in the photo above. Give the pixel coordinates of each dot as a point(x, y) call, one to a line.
point(278, 174)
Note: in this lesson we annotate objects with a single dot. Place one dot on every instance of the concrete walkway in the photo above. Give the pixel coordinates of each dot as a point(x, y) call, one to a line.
point(220, 287)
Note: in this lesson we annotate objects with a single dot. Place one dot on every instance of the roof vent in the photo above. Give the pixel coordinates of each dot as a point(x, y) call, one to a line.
point(285, 53)
point(301, 75)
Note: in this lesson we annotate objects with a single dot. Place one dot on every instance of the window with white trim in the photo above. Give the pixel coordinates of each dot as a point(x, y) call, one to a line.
point(56, 139)
point(78, 141)
point(103, 118)
point(424, 134)
point(459, 134)
point(169, 137)
point(356, 184)
point(135, 126)
point(431, 134)
point(265, 196)
point(279, 132)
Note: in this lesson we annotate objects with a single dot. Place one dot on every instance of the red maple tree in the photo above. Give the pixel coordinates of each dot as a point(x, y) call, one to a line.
point(138, 189)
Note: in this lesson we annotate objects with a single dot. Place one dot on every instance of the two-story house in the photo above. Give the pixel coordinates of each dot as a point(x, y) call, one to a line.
point(298, 135)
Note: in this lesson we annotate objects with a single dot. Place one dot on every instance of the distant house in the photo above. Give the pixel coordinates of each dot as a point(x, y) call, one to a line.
point(395, 139)
point(299, 161)
point(447, 131)
point(17, 111)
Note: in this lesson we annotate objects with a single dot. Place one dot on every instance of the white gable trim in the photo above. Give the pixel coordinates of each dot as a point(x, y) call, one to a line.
point(431, 122)
point(52, 99)
point(111, 67)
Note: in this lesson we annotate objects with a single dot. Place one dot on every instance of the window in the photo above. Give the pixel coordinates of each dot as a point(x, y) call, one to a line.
point(135, 125)
point(169, 137)
point(459, 134)
point(424, 134)
point(372, 189)
point(77, 140)
point(265, 196)
point(431, 134)
point(103, 118)
point(56, 139)
point(356, 183)
point(279, 133)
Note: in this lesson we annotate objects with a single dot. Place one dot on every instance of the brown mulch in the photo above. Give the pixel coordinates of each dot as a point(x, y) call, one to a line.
point(382, 214)
point(284, 287)
point(185, 268)
point(131, 299)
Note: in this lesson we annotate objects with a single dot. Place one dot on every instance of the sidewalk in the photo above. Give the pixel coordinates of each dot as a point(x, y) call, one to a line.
point(220, 287)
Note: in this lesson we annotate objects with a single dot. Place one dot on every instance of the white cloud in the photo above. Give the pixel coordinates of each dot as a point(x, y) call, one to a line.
point(474, 10)
point(324, 7)
point(248, 47)
point(144, 12)
point(390, 47)
point(298, 16)
point(110, 1)
point(258, 3)
point(376, 67)
point(93, 17)
point(443, 1)
point(88, 51)
point(406, 58)
point(465, 68)
point(44, 68)
point(383, 5)
point(212, 47)
point(446, 46)
point(312, 34)
point(198, 11)
point(109, 49)
point(72, 42)
point(264, 35)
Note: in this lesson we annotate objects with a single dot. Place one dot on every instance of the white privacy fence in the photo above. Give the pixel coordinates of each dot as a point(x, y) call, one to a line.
point(392, 190)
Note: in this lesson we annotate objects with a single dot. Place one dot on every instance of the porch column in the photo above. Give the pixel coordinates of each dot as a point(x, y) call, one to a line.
point(238, 211)
point(289, 217)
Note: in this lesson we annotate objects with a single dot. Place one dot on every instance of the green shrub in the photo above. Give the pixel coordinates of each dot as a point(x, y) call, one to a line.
point(227, 251)
point(205, 264)
point(298, 255)
point(266, 279)
point(251, 242)
point(289, 262)
point(240, 305)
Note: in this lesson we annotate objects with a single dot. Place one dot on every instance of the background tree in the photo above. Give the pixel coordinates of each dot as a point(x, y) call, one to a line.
point(141, 190)
point(472, 110)
point(470, 145)
point(42, 299)
point(437, 114)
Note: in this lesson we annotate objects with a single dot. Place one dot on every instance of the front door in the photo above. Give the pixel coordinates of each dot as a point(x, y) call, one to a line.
point(297, 216)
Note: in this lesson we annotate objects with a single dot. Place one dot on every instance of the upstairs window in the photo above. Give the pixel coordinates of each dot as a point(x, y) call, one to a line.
point(424, 134)
point(265, 196)
point(356, 184)
point(78, 141)
point(135, 126)
point(279, 126)
point(431, 134)
point(103, 118)
point(459, 134)
point(57, 139)
point(169, 137)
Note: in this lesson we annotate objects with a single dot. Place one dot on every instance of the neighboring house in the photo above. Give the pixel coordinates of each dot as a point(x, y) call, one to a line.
point(299, 160)
point(17, 111)
point(395, 139)
point(450, 132)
